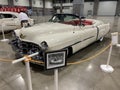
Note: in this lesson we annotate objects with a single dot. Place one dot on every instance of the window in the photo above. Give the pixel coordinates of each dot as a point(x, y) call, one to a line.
point(1, 16)
point(63, 18)
point(70, 17)
point(8, 16)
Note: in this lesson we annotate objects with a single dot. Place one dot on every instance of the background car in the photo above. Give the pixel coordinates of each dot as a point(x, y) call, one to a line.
point(10, 21)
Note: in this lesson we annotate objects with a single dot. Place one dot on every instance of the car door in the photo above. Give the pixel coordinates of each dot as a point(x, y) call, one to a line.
point(84, 37)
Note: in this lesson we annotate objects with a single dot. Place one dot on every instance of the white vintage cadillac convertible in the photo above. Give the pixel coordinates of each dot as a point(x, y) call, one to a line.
point(53, 36)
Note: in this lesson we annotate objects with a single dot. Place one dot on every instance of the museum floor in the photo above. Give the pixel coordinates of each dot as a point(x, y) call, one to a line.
point(82, 76)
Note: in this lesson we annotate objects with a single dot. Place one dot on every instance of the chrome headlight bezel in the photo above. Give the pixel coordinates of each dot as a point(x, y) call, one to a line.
point(44, 45)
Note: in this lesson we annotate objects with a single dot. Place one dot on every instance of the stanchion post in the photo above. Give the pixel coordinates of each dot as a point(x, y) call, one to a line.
point(3, 34)
point(28, 74)
point(3, 30)
point(107, 67)
point(56, 78)
point(109, 56)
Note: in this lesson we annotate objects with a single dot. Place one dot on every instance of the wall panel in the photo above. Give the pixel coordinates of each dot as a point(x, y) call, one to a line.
point(3, 2)
point(88, 6)
point(107, 8)
point(48, 4)
point(21, 2)
point(37, 3)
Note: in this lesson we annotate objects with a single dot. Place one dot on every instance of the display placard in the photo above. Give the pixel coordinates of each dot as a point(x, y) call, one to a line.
point(55, 59)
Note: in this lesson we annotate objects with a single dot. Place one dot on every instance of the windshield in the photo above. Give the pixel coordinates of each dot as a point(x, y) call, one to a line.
point(63, 18)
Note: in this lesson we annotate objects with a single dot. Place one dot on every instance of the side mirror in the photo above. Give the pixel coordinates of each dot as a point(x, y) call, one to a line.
point(81, 20)
point(82, 17)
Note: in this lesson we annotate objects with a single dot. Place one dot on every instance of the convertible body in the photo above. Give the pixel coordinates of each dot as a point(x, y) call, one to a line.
point(52, 36)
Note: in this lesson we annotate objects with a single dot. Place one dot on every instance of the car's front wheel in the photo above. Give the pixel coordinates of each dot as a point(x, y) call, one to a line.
point(101, 39)
point(69, 51)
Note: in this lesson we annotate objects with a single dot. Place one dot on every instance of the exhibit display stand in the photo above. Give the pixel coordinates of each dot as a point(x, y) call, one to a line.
point(108, 68)
point(3, 34)
point(27, 59)
point(55, 60)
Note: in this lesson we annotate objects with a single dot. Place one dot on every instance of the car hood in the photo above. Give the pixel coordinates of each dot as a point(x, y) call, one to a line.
point(52, 33)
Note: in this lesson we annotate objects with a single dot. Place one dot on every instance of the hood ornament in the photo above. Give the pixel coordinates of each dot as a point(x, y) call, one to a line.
point(22, 36)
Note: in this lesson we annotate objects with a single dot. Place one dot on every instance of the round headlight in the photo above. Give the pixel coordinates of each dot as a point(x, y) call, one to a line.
point(44, 45)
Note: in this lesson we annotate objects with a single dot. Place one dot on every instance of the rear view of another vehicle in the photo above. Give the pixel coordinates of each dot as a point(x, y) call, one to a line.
point(9, 22)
